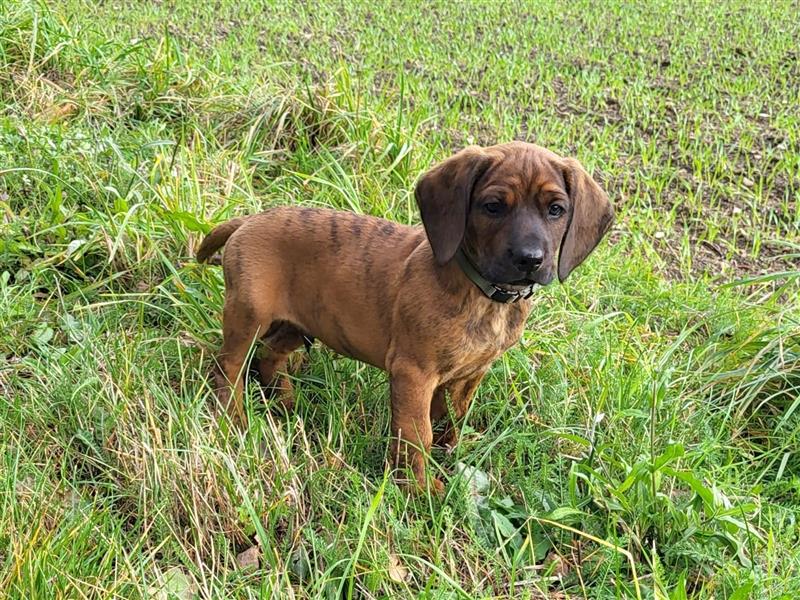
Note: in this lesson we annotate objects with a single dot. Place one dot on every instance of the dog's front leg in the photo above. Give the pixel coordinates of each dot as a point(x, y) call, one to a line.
point(412, 390)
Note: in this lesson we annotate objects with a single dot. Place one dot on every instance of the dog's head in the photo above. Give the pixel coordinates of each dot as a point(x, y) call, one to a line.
point(519, 212)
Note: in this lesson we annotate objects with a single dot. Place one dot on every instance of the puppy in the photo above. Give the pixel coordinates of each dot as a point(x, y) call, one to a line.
point(431, 305)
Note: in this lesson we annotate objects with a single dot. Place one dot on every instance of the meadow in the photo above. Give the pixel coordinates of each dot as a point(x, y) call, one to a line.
point(641, 441)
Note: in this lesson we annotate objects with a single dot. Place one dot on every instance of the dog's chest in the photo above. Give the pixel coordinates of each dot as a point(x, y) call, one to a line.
point(483, 337)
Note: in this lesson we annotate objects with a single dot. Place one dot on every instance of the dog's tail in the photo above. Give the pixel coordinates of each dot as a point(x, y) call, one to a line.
point(217, 238)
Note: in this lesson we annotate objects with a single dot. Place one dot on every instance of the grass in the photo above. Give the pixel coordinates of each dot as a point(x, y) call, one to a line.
point(641, 440)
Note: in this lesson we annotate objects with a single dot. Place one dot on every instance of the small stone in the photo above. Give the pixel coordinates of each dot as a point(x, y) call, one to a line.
point(250, 558)
point(397, 572)
point(172, 584)
point(748, 182)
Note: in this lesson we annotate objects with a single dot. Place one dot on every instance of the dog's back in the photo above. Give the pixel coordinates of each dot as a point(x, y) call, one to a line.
point(331, 273)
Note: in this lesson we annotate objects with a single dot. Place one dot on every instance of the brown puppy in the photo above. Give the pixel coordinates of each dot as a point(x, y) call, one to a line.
point(415, 302)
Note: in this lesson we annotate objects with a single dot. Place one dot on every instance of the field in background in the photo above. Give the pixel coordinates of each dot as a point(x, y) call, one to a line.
point(643, 437)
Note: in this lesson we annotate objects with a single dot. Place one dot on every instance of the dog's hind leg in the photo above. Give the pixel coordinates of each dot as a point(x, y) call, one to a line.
point(240, 328)
point(281, 340)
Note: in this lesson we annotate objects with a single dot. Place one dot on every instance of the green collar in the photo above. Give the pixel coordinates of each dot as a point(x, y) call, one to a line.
point(489, 289)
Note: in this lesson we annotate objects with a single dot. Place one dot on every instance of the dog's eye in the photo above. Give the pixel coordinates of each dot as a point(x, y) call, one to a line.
point(493, 207)
point(556, 210)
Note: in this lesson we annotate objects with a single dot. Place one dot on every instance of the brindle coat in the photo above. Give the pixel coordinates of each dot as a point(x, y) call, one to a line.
point(392, 295)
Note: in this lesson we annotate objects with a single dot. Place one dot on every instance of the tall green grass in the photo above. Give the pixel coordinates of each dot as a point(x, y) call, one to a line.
point(641, 440)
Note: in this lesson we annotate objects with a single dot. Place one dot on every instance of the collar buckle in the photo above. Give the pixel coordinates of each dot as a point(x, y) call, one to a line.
point(510, 296)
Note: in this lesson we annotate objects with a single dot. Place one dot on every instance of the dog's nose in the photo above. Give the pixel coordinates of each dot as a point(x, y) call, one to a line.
point(529, 260)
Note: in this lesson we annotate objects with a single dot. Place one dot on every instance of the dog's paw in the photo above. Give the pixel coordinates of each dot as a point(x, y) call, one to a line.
point(437, 487)
point(421, 487)
point(286, 400)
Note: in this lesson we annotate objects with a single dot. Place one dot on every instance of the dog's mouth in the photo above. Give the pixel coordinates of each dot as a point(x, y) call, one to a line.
point(542, 277)
point(516, 280)
point(517, 285)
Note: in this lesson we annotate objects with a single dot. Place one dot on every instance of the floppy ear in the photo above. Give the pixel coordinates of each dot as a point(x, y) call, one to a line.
point(443, 196)
point(592, 215)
